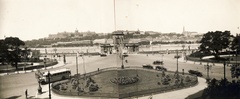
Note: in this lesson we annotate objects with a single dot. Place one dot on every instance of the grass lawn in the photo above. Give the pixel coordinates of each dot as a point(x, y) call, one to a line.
point(149, 81)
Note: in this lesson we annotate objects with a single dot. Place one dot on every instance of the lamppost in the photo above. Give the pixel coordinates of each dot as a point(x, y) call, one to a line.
point(224, 64)
point(49, 87)
point(55, 50)
point(122, 61)
point(207, 67)
point(177, 64)
point(64, 59)
point(77, 63)
point(177, 61)
point(44, 61)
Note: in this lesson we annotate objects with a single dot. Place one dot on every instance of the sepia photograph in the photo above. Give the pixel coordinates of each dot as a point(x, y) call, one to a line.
point(119, 49)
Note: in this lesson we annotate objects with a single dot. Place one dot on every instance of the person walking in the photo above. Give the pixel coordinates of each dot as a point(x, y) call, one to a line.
point(26, 94)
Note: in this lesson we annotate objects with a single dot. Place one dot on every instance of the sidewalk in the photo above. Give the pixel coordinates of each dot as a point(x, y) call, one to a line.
point(60, 63)
point(197, 62)
point(178, 94)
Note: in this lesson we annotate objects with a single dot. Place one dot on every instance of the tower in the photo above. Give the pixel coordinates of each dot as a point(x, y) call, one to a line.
point(183, 30)
point(76, 31)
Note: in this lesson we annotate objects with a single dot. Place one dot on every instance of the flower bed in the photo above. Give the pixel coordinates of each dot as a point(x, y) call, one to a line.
point(123, 83)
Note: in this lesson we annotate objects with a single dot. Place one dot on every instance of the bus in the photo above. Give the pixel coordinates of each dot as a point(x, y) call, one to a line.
point(56, 75)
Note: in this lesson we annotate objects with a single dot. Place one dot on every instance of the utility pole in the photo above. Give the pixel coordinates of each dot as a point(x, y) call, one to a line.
point(177, 61)
point(49, 87)
point(114, 15)
point(77, 64)
point(45, 61)
point(177, 66)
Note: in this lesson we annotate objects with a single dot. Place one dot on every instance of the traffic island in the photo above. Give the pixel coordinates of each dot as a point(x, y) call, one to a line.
point(123, 83)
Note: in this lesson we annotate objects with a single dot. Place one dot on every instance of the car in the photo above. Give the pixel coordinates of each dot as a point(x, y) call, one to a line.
point(147, 66)
point(125, 55)
point(158, 62)
point(103, 54)
point(161, 68)
point(177, 56)
point(194, 72)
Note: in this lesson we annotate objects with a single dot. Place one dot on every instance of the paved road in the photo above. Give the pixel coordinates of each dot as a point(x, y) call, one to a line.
point(13, 86)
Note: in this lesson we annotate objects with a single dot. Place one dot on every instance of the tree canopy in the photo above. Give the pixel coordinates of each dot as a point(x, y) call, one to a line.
point(235, 45)
point(214, 42)
point(10, 50)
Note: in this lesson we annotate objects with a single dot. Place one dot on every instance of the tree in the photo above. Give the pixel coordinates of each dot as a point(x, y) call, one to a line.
point(235, 45)
point(3, 51)
point(214, 42)
point(13, 51)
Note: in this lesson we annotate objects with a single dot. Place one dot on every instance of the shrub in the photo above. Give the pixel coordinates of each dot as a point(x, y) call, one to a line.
point(187, 79)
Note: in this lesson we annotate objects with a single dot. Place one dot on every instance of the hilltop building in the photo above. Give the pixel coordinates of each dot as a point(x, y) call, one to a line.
point(75, 34)
point(189, 33)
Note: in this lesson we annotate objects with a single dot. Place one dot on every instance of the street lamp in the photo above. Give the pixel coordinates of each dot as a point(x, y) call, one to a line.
point(122, 62)
point(207, 67)
point(177, 64)
point(77, 63)
point(177, 61)
point(49, 87)
point(224, 64)
point(44, 61)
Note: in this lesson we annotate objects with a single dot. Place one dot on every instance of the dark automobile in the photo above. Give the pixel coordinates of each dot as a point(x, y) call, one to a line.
point(197, 73)
point(177, 56)
point(125, 55)
point(158, 62)
point(147, 66)
point(160, 68)
point(103, 55)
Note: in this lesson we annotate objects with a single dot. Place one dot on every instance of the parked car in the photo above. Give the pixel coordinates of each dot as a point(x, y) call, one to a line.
point(147, 66)
point(125, 55)
point(103, 54)
point(177, 56)
point(197, 73)
point(158, 62)
point(161, 68)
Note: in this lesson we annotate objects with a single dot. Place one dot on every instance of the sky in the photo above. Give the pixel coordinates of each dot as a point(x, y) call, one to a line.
point(34, 19)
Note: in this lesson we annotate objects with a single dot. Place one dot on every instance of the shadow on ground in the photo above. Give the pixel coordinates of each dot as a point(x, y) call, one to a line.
point(14, 97)
point(197, 95)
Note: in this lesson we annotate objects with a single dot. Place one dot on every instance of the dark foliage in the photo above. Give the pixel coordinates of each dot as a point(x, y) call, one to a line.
point(222, 89)
point(214, 42)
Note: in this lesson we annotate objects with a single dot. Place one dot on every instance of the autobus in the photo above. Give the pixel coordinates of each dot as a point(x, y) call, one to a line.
point(55, 75)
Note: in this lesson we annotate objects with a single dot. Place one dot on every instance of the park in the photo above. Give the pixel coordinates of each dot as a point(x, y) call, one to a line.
point(111, 77)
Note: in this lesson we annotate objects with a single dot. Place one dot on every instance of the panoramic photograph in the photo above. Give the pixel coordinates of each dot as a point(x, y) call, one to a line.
point(119, 49)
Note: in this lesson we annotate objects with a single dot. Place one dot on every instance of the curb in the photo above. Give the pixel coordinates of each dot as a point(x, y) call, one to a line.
point(60, 63)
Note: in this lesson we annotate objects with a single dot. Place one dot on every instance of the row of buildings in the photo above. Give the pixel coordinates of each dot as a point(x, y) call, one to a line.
point(75, 34)
point(140, 37)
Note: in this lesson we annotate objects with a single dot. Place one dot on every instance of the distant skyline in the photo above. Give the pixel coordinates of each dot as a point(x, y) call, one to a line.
point(34, 19)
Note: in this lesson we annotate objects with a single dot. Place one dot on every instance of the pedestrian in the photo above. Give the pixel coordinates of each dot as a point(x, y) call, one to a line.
point(26, 94)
